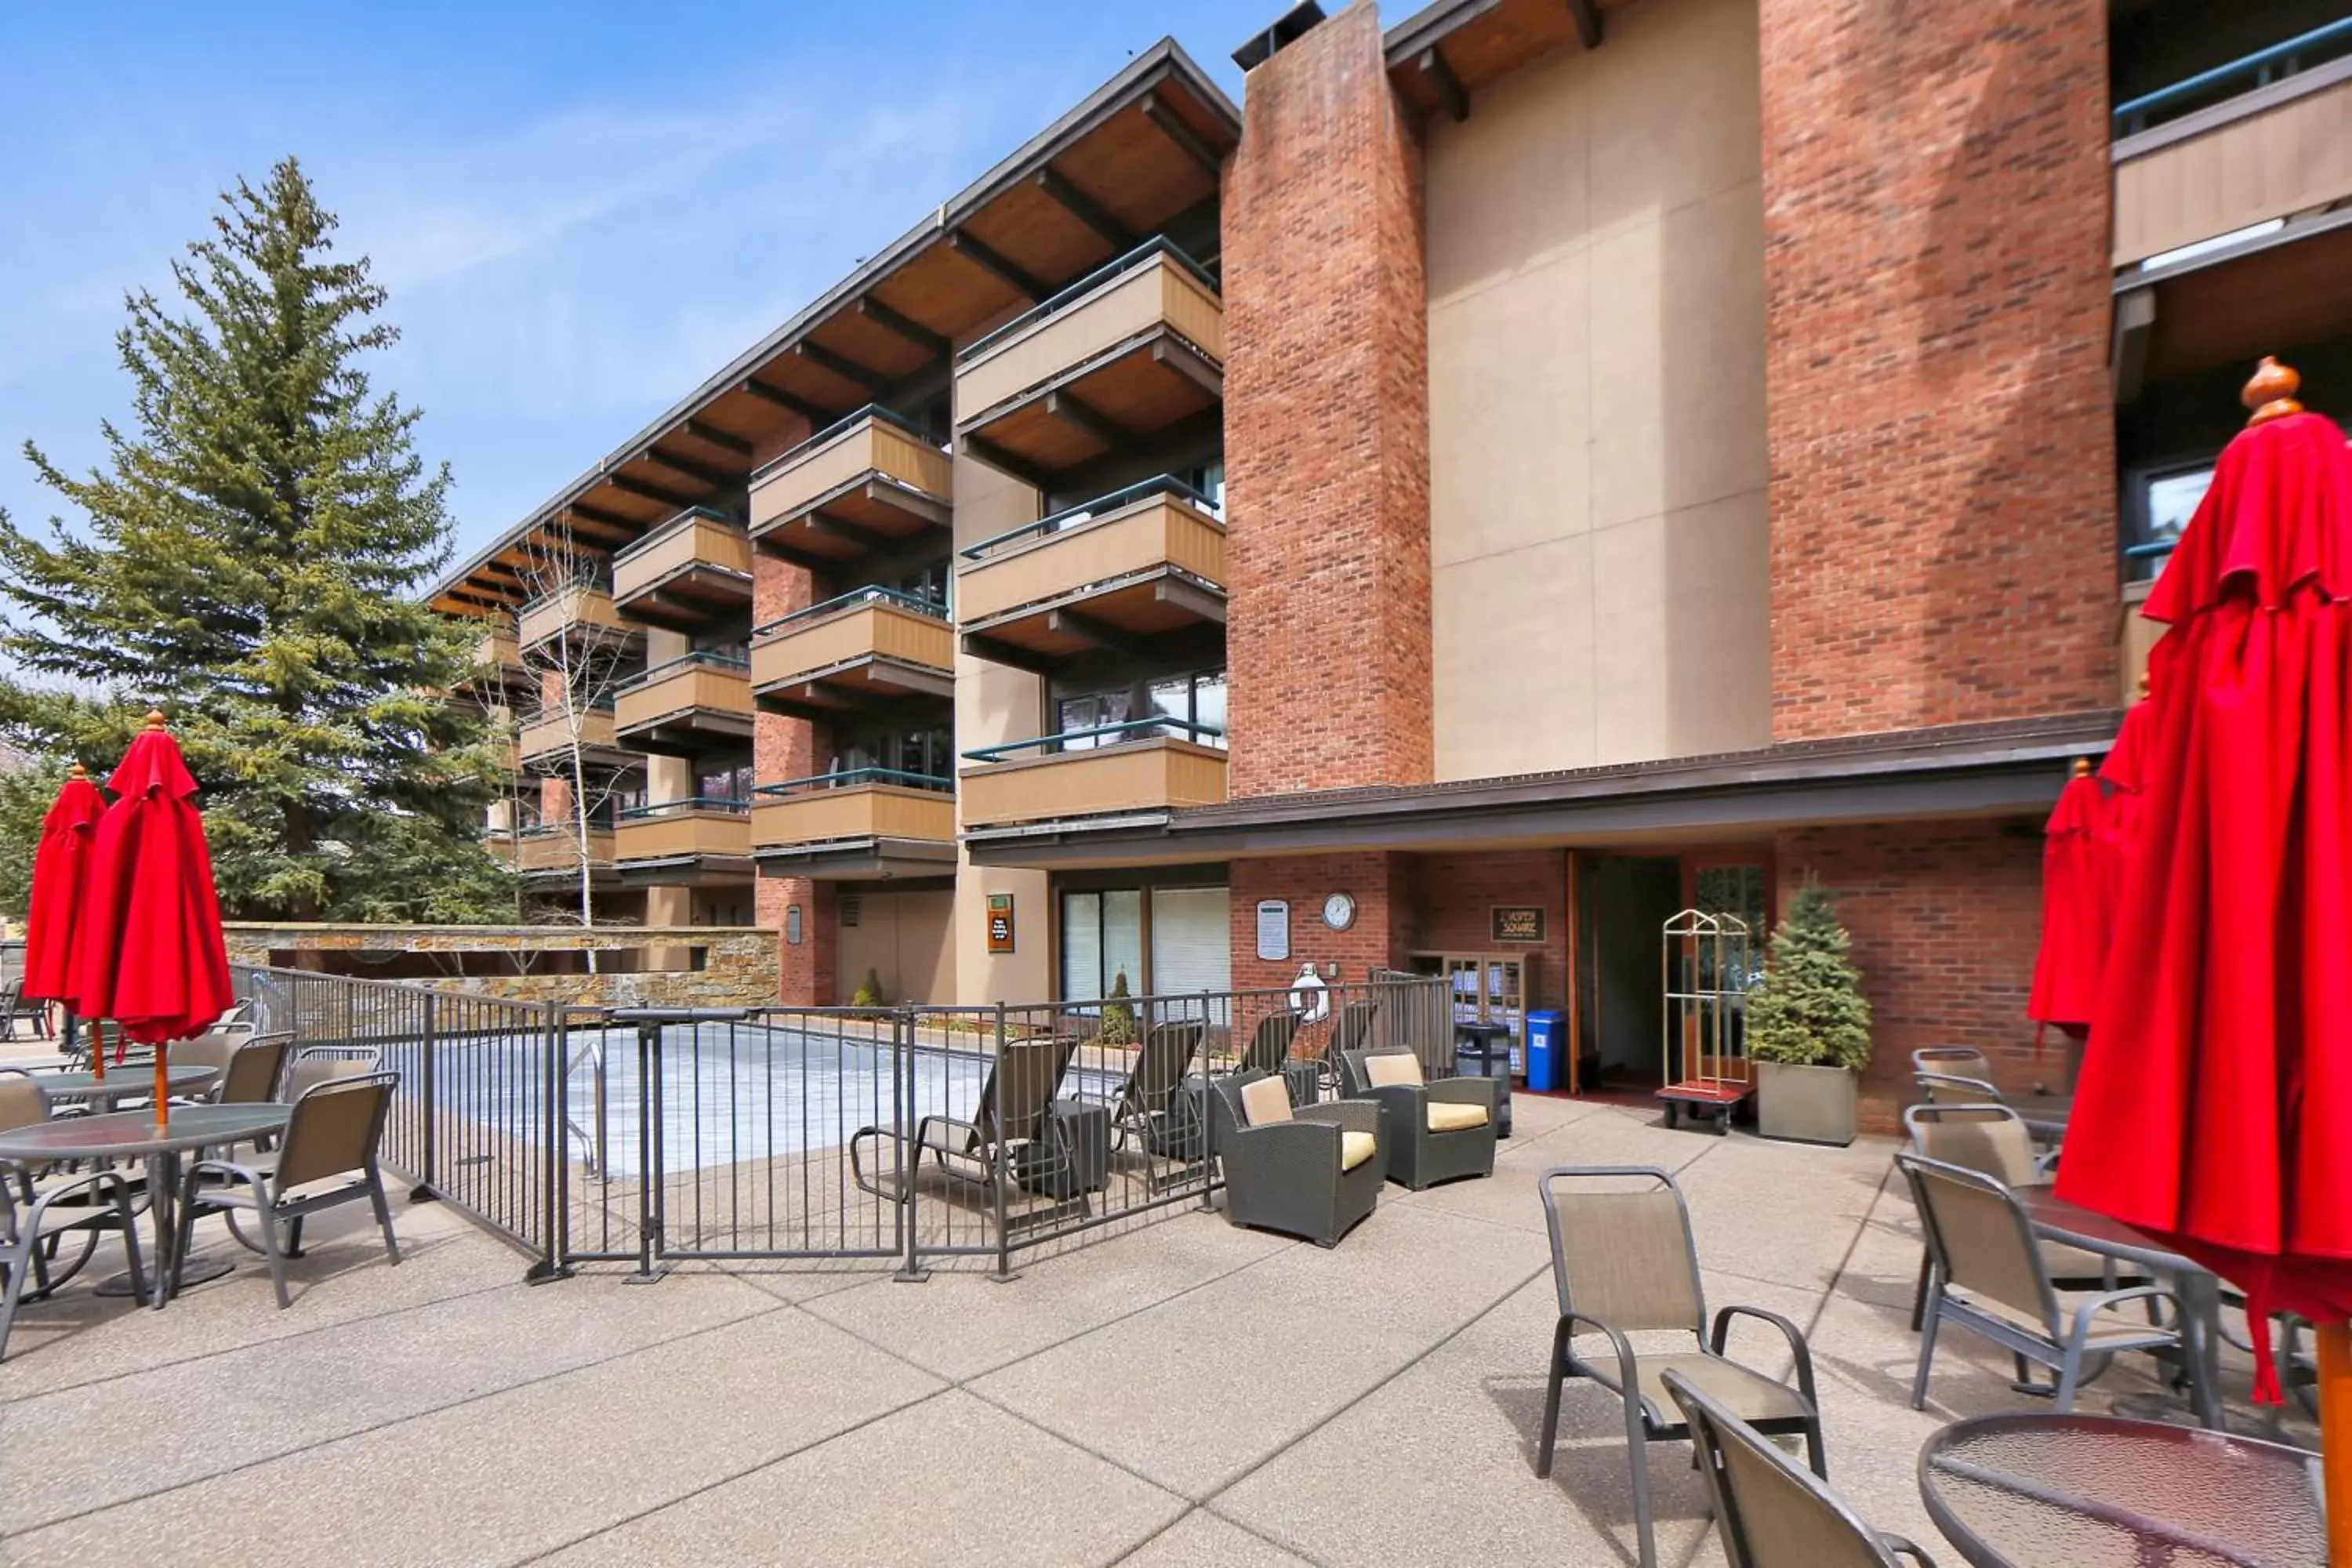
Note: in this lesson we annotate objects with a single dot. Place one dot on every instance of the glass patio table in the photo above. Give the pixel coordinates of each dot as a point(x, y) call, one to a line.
point(2199, 1290)
point(2085, 1491)
point(133, 1135)
point(84, 1084)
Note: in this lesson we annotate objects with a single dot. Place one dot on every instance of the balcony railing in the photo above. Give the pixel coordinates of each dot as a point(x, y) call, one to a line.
point(1146, 765)
point(2226, 171)
point(555, 847)
point(864, 483)
point(549, 736)
point(869, 643)
point(677, 829)
point(694, 566)
point(580, 608)
point(2261, 68)
point(686, 705)
point(1127, 350)
point(1139, 561)
point(856, 805)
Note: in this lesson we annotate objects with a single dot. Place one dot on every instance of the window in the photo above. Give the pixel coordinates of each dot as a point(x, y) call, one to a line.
point(1209, 478)
point(927, 583)
point(1102, 939)
point(1197, 702)
point(2161, 502)
point(1096, 710)
point(721, 782)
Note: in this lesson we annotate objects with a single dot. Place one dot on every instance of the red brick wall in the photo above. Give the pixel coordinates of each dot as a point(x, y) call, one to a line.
point(1935, 197)
point(1376, 940)
point(810, 976)
point(1945, 918)
point(788, 748)
point(1453, 897)
point(1327, 427)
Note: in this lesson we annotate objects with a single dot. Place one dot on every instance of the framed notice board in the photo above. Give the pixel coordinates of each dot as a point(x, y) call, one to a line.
point(1000, 922)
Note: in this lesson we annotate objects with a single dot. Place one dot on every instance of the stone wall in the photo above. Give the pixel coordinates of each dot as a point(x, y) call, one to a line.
point(657, 966)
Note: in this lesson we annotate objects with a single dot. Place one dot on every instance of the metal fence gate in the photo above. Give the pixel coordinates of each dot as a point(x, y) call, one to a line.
point(900, 1136)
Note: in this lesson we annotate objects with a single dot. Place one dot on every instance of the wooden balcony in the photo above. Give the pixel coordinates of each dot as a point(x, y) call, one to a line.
point(1130, 351)
point(554, 850)
point(546, 743)
point(693, 568)
point(1152, 775)
point(583, 612)
point(686, 707)
point(870, 648)
point(2270, 152)
point(1131, 566)
point(870, 482)
point(686, 836)
point(869, 824)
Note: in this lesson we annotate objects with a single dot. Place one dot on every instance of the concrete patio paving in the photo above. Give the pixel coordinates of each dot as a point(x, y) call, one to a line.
point(1180, 1392)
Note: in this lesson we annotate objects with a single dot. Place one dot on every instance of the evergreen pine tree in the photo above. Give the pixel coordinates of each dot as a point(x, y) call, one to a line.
point(1810, 1010)
point(253, 550)
point(1119, 1014)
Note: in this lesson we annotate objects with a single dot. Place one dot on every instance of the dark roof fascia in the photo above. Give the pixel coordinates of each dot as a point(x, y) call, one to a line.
point(1163, 61)
point(1430, 27)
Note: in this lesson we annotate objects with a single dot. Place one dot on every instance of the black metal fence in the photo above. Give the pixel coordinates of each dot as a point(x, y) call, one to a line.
point(902, 1135)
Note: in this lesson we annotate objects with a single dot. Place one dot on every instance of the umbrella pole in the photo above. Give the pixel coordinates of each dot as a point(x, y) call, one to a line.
point(2336, 1434)
point(163, 1088)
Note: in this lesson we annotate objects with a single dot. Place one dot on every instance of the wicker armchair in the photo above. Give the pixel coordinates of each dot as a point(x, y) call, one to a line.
point(1430, 1132)
point(1313, 1171)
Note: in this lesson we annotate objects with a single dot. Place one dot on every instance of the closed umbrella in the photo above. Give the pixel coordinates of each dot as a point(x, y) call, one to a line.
point(2211, 1107)
point(150, 955)
point(60, 883)
point(2076, 904)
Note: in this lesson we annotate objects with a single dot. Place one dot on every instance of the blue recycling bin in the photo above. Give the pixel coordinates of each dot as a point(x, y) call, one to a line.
point(1546, 1039)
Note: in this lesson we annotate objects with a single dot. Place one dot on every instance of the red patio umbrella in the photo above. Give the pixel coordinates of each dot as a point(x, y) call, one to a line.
point(150, 955)
point(61, 879)
point(2211, 1107)
point(2077, 906)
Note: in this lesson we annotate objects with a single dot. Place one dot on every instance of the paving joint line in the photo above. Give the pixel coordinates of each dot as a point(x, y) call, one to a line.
point(373, 1428)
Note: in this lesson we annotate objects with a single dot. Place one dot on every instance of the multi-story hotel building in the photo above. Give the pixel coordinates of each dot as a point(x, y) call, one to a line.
point(1531, 469)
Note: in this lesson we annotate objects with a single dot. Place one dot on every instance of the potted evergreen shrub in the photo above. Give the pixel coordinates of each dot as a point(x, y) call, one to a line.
point(1119, 1014)
point(1809, 1027)
point(868, 993)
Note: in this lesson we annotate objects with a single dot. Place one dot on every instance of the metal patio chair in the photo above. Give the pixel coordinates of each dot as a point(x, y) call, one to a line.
point(1013, 1134)
point(1624, 1261)
point(336, 1130)
point(40, 1210)
point(1996, 1141)
point(1314, 1170)
point(1769, 1510)
point(15, 1009)
point(310, 1066)
point(1986, 1275)
point(1432, 1132)
point(1155, 1110)
point(254, 1068)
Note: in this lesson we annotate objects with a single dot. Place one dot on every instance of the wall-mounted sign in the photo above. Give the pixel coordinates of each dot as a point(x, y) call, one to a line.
point(1274, 929)
point(792, 925)
point(1518, 922)
point(1000, 922)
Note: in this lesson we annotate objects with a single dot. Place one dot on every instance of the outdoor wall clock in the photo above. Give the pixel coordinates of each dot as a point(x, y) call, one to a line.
point(1339, 912)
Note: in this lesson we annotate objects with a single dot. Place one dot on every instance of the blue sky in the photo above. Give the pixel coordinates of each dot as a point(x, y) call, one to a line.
point(581, 209)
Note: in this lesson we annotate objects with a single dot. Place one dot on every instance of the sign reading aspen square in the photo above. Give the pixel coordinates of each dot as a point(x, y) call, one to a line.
point(1000, 922)
point(1518, 922)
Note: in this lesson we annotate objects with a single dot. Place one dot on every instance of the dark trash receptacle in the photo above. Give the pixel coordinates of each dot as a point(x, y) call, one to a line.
point(1484, 1050)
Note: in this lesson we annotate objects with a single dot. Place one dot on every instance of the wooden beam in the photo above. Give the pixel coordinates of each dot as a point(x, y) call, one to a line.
point(639, 488)
point(997, 651)
point(1005, 462)
point(935, 344)
point(1588, 21)
point(711, 434)
point(1186, 596)
point(1177, 357)
point(816, 414)
point(703, 473)
point(2127, 352)
point(1079, 415)
point(1188, 141)
point(842, 365)
point(1445, 83)
point(826, 525)
point(985, 257)
point(1087, 210)
point(1095, 632)
point(629, 526)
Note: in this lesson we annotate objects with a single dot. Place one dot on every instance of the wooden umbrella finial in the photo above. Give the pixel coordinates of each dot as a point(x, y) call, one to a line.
point(2143, 686)
point(2081, 767)
point(154, 718)
point(2270, 393)
point(77, 771)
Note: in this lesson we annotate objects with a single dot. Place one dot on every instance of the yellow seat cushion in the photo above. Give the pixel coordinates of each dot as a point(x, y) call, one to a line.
point(1448, 1116)
point(1386, 1069)
point(1266, 1101)
point(1355, 1148)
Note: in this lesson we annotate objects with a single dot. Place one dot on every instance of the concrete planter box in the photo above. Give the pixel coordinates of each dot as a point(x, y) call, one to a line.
point(1807, 1104)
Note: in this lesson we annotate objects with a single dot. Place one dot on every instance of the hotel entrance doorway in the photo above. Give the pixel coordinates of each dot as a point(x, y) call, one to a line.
point(1623, 903)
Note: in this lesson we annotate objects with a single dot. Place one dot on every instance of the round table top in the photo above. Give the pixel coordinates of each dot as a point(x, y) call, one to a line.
point(125, 1135)
point(2083, 1492)
point(2075, 1225)
point(83, 1085)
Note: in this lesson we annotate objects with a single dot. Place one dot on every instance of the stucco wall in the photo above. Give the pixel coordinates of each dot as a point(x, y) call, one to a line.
point(739, 963)
point(1599, 541)
point(904, 939)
